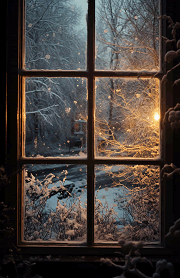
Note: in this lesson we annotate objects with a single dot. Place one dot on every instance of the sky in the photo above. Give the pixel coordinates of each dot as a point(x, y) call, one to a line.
point(84, 6)
point(82, 3)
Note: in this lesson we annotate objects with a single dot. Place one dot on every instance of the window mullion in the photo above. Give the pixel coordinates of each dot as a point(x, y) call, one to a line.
point(91, 102)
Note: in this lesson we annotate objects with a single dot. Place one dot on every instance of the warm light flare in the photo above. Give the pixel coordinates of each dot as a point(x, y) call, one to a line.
point(156, 116)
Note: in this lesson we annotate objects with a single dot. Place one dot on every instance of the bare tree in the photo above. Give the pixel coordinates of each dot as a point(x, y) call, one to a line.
point(53, 41)
point(127, 113)
point(127, 40)
point(127, 37)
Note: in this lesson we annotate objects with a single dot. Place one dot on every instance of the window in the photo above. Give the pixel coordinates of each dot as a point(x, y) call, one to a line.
point(89, 134)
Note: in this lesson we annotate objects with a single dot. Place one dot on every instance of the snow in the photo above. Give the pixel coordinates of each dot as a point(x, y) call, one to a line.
point(103, 195)
point(76, 180)
point(114, 169)
point(52, 202)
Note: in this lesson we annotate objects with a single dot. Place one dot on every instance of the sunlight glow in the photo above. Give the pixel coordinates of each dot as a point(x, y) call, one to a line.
point(156, 116)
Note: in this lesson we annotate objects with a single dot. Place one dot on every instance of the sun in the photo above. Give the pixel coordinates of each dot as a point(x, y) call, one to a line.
point(156, 116)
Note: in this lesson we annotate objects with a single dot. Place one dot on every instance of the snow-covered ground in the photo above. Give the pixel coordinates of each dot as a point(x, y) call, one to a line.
point(105, 194)
point(76, 180)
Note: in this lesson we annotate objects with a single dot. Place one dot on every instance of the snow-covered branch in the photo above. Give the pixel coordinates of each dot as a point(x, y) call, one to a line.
point(42, 109)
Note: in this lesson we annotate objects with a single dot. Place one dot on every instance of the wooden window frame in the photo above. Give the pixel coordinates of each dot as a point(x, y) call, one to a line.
point(14, 152)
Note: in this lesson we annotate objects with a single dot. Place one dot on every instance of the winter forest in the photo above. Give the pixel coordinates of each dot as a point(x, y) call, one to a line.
point(127, 203)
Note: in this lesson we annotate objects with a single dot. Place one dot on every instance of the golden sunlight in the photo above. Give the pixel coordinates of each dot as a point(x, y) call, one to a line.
point(156, 116)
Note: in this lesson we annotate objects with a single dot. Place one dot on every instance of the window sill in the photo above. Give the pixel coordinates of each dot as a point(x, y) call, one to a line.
point(95, 253)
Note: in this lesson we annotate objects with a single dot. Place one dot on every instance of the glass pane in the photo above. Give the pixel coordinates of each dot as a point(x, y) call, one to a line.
point(127, 203)
point(55, 203)
point(55, 34)
point(56, 117)
point(127, 35)
point(127, 117)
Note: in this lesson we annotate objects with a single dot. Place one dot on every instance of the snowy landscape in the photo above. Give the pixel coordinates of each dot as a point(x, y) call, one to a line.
point(126, 121)
point(51, 188)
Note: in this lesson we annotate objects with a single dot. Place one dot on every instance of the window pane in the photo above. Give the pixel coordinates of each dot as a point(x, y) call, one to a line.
point(55, 203)
point(127, 117)
point(127, 34)
point(127, 203)
point(56, 117)
point(55, 34)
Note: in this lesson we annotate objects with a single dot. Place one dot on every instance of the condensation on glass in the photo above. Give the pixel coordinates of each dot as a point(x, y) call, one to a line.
point(127, 35)
point(55, 36)
point(127, 203)
point(56, 117)
point(55, 202)
point(127, 117)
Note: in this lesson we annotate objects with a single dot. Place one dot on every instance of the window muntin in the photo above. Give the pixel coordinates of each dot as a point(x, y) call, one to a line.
point(90, 161)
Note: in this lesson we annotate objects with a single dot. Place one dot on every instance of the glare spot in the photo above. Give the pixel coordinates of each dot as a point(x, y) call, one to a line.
point(156, 116)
